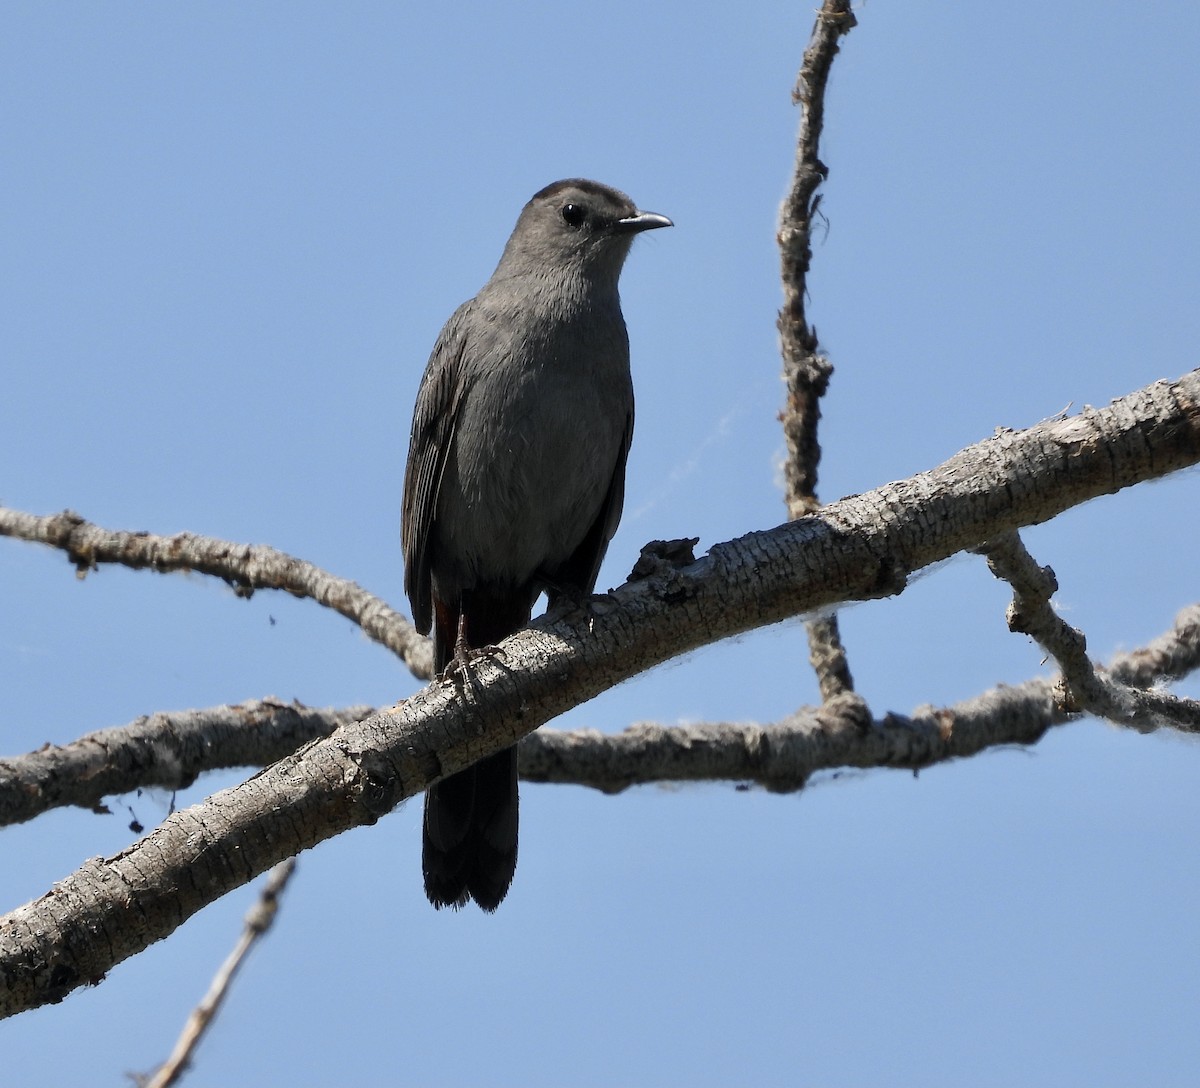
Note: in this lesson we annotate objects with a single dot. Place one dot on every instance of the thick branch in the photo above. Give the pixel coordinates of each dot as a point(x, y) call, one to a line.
point(246, 567)
point(856, 548)
point(165, 749)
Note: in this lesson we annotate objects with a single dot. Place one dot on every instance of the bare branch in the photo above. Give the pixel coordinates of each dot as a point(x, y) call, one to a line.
point(1171, 656)
point(783, 756)
point(258, 921)
point(165, 749)
point(1080, 687)
point(854, 549)
point(780, 756)
point(806, 369)
point(827, 655)
point(245, 567)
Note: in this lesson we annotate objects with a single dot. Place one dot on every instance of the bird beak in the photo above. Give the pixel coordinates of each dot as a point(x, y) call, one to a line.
point(635, 224)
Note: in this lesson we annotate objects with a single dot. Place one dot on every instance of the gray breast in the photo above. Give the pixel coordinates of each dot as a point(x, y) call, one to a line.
point(539, 435)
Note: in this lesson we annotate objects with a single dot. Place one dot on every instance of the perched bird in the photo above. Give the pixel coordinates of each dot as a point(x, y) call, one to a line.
point(515, 480)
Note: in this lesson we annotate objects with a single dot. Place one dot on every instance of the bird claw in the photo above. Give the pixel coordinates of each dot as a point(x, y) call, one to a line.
point(462, 663)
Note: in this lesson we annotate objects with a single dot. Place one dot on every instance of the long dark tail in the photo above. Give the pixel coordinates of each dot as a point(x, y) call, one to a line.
point(470, 845)
point(469, 848)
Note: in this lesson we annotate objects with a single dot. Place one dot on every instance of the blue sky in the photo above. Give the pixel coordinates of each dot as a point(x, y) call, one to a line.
point(230, 234)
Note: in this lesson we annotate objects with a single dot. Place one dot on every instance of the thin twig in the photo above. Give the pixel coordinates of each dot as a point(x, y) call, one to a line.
point(827, 655)
point(258, 921)
point(245, 567)
point(1080, 687)
point(806, 369)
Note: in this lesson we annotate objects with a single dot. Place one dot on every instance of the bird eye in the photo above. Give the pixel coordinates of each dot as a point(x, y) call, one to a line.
point(574, 215)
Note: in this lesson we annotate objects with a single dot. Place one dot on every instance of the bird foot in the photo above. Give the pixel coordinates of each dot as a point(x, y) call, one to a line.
point(460, 666)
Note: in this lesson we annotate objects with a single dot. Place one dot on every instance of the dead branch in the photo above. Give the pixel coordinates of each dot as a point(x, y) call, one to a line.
point(258, 921)
point(1080, 687)
point(806, 369)
point(245, 567)
point(855, 549)
point(166, 749)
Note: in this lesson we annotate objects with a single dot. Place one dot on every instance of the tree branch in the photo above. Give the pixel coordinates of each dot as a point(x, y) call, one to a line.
point(245, 567)
point(258, 921)
point(1080, 687)
point(783, 756)
point(806, 369)
point(854, 549)
point(165, 749)
point(780, 756)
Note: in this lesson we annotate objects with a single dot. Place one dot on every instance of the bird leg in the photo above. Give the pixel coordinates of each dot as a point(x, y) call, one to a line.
point(465, 655)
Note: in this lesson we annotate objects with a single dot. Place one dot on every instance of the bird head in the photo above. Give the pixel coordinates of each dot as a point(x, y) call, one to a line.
point(576, 226)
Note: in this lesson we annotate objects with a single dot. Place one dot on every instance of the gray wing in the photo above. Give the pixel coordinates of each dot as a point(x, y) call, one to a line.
point(435, 418)
point(580, 571)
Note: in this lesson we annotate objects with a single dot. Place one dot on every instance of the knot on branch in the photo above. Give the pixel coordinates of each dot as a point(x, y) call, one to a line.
point(374, 783)
point(64, 531)
point(660, 561)
point(846, 710)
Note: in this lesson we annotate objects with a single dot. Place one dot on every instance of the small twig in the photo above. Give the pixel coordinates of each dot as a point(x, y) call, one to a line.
point(806, 369)
point(1080, 687)
point(245, 567)
point(1171, 656)
point(258, 921)
point(827, 656)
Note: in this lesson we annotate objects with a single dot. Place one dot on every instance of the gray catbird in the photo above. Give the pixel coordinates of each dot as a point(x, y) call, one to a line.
point(515, 479)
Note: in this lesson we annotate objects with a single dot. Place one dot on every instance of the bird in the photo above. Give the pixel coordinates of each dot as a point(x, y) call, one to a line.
point(515, 481)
